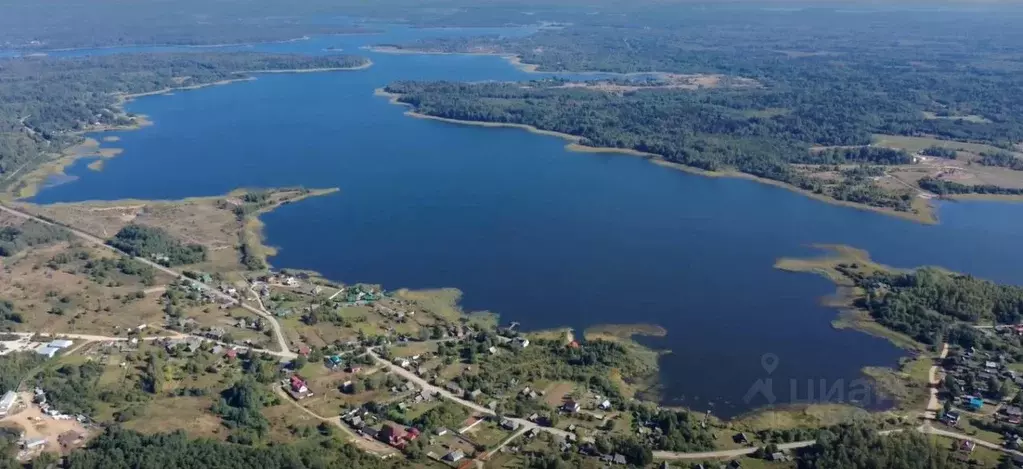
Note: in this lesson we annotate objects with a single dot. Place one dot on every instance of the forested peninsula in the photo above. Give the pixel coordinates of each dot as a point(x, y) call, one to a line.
point(822, 145)
point(924, 307)
point(832, 93)
point(48, 103)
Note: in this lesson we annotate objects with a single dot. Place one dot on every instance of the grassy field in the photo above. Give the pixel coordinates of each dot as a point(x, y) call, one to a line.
point(968, 118)
point(190, 414)
point(908, 385)
point(441, 302)
point(965, 426)
point(916, 144)
point(619, 332)
point(754, 463)
point(862, 322)
point(488, 434)
point(825, 265)
point(55, 290)
point(209, 221)
point(812, 416)
point(555, 394)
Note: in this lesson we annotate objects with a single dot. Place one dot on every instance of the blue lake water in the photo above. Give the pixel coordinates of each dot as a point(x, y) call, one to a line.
point(529, 230)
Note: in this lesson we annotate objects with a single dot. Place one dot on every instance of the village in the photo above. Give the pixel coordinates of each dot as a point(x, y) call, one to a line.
point(378, 403)
point(411, 372)
point(981, 396)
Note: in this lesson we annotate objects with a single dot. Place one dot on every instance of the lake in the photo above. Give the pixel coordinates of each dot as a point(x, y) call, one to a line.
point(533, 232)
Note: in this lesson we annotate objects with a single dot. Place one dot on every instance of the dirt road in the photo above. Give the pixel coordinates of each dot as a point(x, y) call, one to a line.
point(282, 343)
point(933, 405)
point(370, 446)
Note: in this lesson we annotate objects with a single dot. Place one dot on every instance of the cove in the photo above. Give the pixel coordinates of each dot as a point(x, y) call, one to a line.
point(538, 234)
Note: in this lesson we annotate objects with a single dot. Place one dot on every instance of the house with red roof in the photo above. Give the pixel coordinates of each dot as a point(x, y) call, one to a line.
point(393, 434)
point(298, 388)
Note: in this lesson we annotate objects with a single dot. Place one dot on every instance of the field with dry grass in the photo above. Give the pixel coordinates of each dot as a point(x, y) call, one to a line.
point(221, 224)
point(69, 287)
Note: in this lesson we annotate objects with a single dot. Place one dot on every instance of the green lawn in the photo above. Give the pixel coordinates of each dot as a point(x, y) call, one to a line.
point(986, 435)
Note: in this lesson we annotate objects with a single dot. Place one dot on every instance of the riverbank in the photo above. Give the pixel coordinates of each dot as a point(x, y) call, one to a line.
point(926, 212)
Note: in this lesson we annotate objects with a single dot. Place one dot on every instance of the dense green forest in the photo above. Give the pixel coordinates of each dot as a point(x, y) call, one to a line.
point(123, 449)
point(154, 243)
point(71, 389)
point(861, 448)
point(933, 306)
point(867, 64)
point(826, 78)
point(29, 25)
point(706, 130)
point(45, 102)
point(71, 23)
point(14, 367)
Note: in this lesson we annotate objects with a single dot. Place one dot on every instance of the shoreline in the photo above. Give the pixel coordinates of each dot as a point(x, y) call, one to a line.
point(29, 184)
point(250, 226)
point(100, 203)
point(888, 381)
point(205, 46)
point(513, 59)
point(926, 217)
point(983, 197)
point(253, 228)
point(32, 182)
point(846, 292)
point(367, 64)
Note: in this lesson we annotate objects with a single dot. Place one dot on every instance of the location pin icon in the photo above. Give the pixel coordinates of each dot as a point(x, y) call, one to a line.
point(769, 361)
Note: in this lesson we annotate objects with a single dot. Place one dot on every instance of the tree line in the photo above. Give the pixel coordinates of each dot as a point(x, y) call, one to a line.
point(855, 447)
point(706, 130)
point(943, 187)
point(46, 101)
point(117, 448)
point(933, 306)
